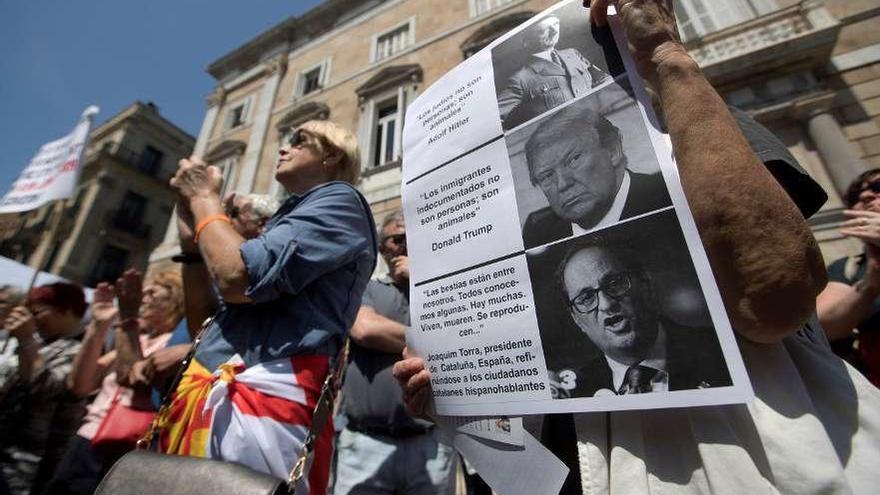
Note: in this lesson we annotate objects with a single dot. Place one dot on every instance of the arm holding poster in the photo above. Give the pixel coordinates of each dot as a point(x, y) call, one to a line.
point(764, 257)
point(767, 272)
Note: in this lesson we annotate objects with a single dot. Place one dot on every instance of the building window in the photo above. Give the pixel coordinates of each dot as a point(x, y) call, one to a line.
point(493, 29)
point(394, 41)
point(383, 101)
point(237, 115)
point(130, 215)
point(109, 265)
point(386, 146)
point(479, 7)
point(150, 160)
point(226, 167)
point(700, 17)
point(312, 79)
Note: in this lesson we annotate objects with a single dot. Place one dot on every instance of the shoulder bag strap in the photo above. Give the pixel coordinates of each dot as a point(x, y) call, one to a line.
point(319, 416)
point(147, 439)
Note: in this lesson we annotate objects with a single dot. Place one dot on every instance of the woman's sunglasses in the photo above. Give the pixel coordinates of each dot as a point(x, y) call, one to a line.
point(301, 138)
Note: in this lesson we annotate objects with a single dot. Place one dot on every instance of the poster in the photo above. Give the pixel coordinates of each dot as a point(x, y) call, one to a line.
point(53, 172)
point(554, 264)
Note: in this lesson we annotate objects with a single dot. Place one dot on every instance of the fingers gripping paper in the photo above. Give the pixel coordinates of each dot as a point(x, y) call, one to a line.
point(555, 266)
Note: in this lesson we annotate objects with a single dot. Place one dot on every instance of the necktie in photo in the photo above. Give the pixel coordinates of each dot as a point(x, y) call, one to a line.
point(637, 380)
point(555, 57)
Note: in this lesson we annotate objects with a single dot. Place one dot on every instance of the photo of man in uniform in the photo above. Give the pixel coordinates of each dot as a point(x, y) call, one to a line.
point(576, 158)
point(548, 78)
point(611, 300)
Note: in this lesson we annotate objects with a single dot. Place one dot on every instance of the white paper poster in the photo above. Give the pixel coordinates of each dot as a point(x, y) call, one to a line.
point(554, 264)
point(53, 172)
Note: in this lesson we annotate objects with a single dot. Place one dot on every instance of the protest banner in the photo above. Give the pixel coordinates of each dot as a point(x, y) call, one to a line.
point(53, 172)
point(554, 264)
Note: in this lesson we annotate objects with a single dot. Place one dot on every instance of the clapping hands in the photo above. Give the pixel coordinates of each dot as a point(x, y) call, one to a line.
point(129, 292)
point(104, 310)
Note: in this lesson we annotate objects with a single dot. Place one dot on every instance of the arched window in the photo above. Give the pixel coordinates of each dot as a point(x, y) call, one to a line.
point(302, 113)
point(488, 32)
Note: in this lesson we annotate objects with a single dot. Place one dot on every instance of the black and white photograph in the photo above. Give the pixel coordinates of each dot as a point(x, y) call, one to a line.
point(584, 166)
point(514, 311)
point(616, 318)
point(550, 62)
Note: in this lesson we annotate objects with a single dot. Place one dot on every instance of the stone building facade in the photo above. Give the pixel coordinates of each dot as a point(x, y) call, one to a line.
point(808, 70)
point(120, 209)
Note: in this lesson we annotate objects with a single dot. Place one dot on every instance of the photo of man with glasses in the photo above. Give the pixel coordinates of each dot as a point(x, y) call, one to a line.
point(612, 300)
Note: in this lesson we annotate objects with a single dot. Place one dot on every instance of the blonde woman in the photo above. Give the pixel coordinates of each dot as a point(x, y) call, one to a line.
point(290, 295)
point(142, 324)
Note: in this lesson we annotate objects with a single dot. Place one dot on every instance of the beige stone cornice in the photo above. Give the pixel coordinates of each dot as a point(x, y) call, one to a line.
point(797, 109)
point(277, 64)
point(217, 97)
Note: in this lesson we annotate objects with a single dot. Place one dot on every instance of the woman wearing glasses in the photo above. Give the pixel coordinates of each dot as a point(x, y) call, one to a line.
point(290, 296)
point(851, 300)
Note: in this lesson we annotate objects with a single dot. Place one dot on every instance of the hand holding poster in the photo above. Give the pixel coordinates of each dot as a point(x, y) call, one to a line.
point(555, 266)
point(53, 172)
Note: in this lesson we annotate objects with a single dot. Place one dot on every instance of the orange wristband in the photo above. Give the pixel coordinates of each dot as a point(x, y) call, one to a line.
point(204, 223)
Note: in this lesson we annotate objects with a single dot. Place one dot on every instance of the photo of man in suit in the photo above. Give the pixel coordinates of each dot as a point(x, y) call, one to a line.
point(611, 300)
point(576, 158)
point(548, 78)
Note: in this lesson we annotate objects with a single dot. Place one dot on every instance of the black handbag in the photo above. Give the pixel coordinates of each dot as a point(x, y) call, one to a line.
point(142, 471)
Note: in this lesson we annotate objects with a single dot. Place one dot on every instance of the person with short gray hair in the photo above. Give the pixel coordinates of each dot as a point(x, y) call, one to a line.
point(382, 449)
point(249, 212)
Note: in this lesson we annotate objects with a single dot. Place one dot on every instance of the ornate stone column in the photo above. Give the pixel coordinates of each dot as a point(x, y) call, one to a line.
point(274, 70)
point(215, 102)
point(841, 159)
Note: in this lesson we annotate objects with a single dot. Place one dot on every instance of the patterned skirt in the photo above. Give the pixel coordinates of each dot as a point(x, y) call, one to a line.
point(257, 416)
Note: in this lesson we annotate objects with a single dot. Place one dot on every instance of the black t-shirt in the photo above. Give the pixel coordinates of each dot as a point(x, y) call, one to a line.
point(838, 271)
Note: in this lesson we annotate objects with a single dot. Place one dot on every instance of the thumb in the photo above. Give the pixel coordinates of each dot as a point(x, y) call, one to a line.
point(214, 172)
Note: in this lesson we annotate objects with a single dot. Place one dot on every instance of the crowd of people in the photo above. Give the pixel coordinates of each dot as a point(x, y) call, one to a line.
point(269, 298)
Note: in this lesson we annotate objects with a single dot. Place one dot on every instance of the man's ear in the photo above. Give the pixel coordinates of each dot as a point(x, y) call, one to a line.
point(618, 159)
